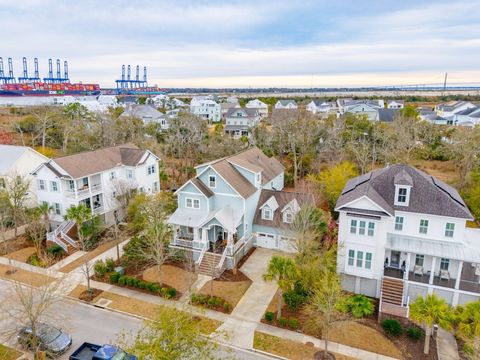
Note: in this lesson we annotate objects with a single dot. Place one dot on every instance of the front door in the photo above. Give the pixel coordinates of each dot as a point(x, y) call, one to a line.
point(395, 259)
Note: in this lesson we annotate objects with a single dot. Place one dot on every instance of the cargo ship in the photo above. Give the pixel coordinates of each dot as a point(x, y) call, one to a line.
point(48, 89)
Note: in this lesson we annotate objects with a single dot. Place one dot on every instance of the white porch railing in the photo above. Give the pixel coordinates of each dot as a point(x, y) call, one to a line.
point(239, 244)
point(98, 210)
point(202, 254)
point(59, 235)
point(219, 267)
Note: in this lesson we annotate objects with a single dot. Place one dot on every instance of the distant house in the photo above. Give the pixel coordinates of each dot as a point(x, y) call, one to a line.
point(225, 107)
point(286, 105)
point(147, 113)
point(469, 117)
point(395, 104)
point(260, 106)
point(320, 106)
point(95, 178)
point(238, 122)
point(206, 109)
point(341, 104)
point(232, 204)
point(447, 110)
point(232, 100)
point(387, 115)
point(364, 108)
point(20, 161)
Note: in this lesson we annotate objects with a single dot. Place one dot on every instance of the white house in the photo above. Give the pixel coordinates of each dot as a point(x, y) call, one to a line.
point(206, 109)
point(286, 105)
point(147, 113)
point(20, 161)
point(320, 107)
point(395, 104)
point(402, 233)
point(238, 122)
point(447, 110)
point(364, 108)
point(258, 105)
point(96, 178)
point(469, 117)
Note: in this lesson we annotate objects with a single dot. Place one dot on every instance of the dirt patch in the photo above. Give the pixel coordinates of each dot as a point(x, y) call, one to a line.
point(24, 276)
point(245, 257)
point(443, 170)
point(13, 245)
point(7, 353)
point(288, 348)
point(229, 290)
point(173, 276)
point(22, 254)
point(88, 296)
point(88, 256)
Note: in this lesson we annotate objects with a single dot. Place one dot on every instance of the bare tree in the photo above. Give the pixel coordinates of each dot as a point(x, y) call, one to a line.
point(16, 188)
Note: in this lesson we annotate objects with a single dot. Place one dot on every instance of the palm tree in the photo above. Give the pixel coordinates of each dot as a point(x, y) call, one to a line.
point(44, 210)
point(429, 311)
point(81, 214)
point(467, 319)
point(284, 271)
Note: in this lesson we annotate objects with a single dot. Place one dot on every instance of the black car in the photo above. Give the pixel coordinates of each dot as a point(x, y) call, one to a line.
point(50, 339)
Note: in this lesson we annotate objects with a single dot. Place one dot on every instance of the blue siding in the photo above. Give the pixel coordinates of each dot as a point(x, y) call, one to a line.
point(272, 230)
point(221, 185)
point(182, 201)
point(250, 207)
point(247, 174)
point(277, 183)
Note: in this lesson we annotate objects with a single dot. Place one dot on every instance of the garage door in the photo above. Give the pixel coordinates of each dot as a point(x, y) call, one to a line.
point(266, 240)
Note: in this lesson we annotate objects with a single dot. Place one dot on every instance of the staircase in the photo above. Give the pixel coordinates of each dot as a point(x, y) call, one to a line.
point(61, 237)
point(391, 298)
point(209, 263)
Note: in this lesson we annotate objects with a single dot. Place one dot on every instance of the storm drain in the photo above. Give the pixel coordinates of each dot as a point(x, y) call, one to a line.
point(103, 303)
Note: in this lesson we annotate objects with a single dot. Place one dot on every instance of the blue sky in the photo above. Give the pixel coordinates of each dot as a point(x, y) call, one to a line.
point(250, 43)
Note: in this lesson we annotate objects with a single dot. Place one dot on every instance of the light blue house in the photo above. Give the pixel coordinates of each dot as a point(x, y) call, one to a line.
point(216, 209)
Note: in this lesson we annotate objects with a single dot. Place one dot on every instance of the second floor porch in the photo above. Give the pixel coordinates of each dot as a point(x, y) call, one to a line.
point(84, 187)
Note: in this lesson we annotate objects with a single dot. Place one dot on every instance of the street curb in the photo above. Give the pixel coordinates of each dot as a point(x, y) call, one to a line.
point(268, 354)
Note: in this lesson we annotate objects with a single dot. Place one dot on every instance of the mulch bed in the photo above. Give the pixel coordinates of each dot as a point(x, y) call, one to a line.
point(88, 296)
point(245, 258)
point(229, 275)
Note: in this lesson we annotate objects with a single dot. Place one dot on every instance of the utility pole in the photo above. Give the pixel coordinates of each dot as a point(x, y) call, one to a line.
point(445, 83)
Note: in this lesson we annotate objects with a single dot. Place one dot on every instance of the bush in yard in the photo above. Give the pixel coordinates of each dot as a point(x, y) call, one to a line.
point(269, 316)
point(227, 307)
point(55, 250)
point(414, 332)
point(359, 306)
point(110, 264)
point(211, 303)
point(114, 277)
point(283, 321)
point(392, 327)
point(293, 323)
point(293, 300)
point(100, 269)
point(122, 280)
point(171, 292)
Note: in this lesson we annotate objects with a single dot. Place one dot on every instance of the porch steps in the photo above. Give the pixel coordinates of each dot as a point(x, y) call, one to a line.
point(62, 236)
point(392, 291)
point(209, 263)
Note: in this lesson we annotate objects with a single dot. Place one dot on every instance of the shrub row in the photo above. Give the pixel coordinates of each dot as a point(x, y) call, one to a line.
point(211, 302)
point(166, 292)
point(103, 267)
point(292, 323)
point(393, 328)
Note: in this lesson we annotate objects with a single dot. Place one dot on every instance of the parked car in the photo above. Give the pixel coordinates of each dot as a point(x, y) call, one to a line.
point(49, 338)
point(88, 351)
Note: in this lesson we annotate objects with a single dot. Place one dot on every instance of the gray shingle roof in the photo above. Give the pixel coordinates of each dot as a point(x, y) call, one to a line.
point(286, 102)
point(387, 115)
point(428, 194)
point(251, 113)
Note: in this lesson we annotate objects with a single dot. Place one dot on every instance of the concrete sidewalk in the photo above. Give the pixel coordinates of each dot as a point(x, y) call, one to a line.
point(446, 345)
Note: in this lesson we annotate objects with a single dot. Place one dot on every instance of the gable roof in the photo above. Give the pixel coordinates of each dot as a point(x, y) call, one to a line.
point(92, 162)
point(428, 194)
point(256, 104)
point(201, 186)
point(286, 102)
point(395, 101)
point(387, 115)
point(283, 198)
point(234, 178)
point(141, 111)
point(250, 112)
point(10, 155)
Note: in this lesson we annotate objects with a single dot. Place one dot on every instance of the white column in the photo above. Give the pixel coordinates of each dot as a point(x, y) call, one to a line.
point(205, 235)
point(432, 272)
point(407, 266)
point(459, 275)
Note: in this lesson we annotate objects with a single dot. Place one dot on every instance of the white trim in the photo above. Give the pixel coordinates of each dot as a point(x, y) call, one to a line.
point(193, 203)
point(214, 181)
point(242, 167)
point(364, 197)
point(407, 195)
point(216, 172)
point(187, 192)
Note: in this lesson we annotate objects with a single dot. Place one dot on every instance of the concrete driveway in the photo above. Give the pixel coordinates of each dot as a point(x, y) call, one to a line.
point(239, 328)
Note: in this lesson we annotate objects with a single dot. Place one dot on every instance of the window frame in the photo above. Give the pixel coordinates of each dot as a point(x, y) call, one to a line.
point(266, 210)
point(419, 260)
point(362, 229)
point(359, 262)
point(368, 260)
point(286, 214)
point(423, 228)
point(151, 169)
point(57, 208)
point(353, 226)
point(210, 178)
point(444, 264)
point(449, 230)
point(351, 258)
point(54, 186)
point(371, 228)
point(42, 185)
point(400, 195)
point(399, 224)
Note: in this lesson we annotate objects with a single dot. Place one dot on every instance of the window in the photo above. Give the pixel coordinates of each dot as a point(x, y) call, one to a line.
point(41, 184)
point(419, 259)
point(287, 217)
point(353, 227)
point(371, 228)
point(53, 186)
point(423, 226)
point(196, 204)
point(114, 195)
point(212, 181)
point(449, 228)
point(368, 260)
point(361, 229)
point(359, 259)
point(402, 195)
point(351, 257)
point(129, 174)
point(155, 186)
point(258, 178)
point(71, 185)
point(142, 190)
point(267, 214)
point(399, 223)
point(189, 203)
point(444, 263)
point(112, 175)
point(56, 208)
point(151, 170)
point(192, 203)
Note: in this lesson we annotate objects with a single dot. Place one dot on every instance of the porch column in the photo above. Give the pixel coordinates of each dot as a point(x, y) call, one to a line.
point(204, 235)
point(432, 270)
point(459, 275)
point(407, 266)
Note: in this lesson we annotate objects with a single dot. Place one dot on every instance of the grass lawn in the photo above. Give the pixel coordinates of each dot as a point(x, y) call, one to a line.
point(26, 277)
point(140, 308)
point(231, 291)
point(90, 255)
point(22, 254)
point(7, 353)
point(287, 348)
point(172, 275)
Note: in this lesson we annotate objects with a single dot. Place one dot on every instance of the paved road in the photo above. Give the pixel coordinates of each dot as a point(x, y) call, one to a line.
point(91, 324)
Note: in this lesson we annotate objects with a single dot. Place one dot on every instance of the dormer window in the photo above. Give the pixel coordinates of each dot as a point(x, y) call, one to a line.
point(267, 214)
point(287, 217)
point(212, 181)
point(402, 195)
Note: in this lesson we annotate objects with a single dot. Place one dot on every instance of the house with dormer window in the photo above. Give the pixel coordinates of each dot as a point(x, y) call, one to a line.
point(403, 233)
point(232, 204)
point(240, 121)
